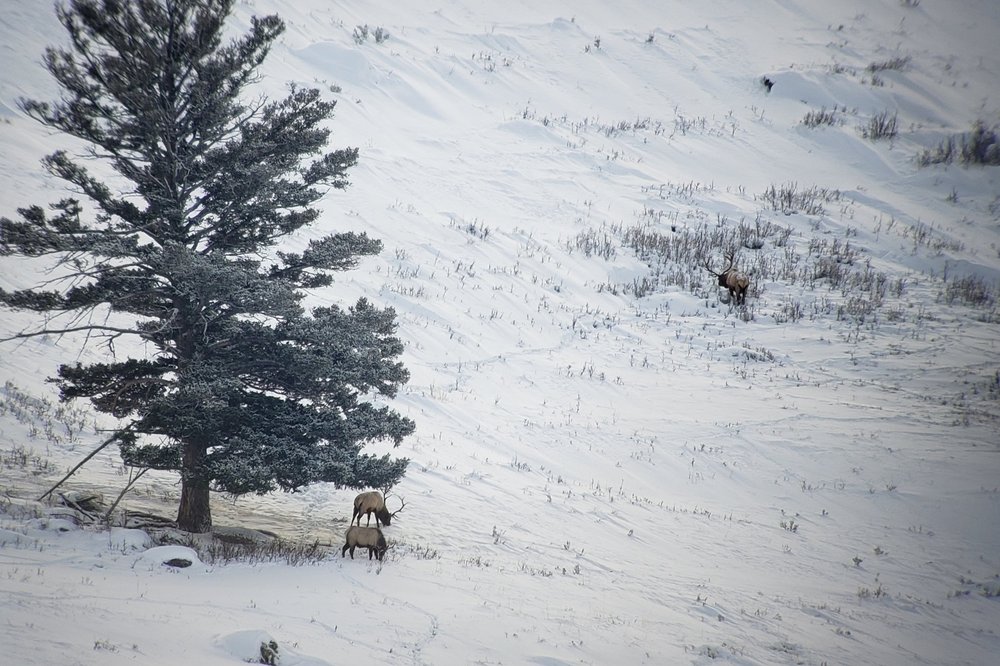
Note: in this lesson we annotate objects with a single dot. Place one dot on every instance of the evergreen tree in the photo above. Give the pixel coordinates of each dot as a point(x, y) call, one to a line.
point(244, 390)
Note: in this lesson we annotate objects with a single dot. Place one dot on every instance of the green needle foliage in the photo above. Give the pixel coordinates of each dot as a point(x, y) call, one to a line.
point(244, 390)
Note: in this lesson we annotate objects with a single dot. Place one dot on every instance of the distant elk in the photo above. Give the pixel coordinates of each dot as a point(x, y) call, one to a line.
point(737, 282)
point(371, 502)
point(365, 537)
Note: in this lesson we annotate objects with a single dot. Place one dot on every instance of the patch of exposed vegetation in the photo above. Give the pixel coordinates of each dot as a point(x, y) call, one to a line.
point(821, 117)
point(881, 126)
point(788, 198)
point(898, 63)
point(978, 146)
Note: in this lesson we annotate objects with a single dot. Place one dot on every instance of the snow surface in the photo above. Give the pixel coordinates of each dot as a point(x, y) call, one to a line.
point(596, 478)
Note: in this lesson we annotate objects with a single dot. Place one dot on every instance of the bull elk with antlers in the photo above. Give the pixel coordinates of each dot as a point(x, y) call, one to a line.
point(371, 502)
point(737, 282)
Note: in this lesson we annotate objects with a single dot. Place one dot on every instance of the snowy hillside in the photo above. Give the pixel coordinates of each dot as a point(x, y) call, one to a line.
point(612, 464)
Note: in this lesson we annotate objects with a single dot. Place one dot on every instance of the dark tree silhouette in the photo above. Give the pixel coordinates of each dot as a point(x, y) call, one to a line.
point(244, 389)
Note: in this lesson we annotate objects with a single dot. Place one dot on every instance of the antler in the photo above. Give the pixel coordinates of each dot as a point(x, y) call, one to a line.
point(730, 257)
point(708, 266)
point(402, 504)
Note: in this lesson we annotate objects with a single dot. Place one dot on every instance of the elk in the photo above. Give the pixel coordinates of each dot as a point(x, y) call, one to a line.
point(737, 282)
point(365, 537)
point(372, 502)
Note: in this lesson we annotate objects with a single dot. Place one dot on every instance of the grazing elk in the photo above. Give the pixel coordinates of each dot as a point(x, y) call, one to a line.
point(372, 502)
point(737, 282)
point(365, 537)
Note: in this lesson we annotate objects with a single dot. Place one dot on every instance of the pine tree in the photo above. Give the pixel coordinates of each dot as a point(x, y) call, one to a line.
point(244, 391)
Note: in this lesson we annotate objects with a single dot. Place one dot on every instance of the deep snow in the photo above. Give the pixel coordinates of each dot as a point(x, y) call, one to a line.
point(596, 477)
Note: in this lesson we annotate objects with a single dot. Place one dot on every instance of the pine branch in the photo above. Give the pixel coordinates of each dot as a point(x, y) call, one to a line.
point(74, 329)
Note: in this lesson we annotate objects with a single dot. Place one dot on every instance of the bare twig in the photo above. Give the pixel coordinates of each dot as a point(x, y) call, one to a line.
point(133, 478)
point(78, 466)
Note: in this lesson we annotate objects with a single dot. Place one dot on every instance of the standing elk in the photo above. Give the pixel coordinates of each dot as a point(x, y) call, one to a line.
point(365, 537)
point(737, 282)
point(371, 502)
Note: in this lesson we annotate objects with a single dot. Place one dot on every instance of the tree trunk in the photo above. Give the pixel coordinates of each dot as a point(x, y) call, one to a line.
point(195, 511)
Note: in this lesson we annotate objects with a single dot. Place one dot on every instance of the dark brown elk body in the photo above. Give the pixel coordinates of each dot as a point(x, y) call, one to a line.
point(365, 537)
point(737, 282)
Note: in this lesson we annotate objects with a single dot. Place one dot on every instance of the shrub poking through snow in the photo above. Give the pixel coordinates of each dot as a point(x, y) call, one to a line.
point(979, 146)
point(897, 63)
point(821, 117)
point(882, 125)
